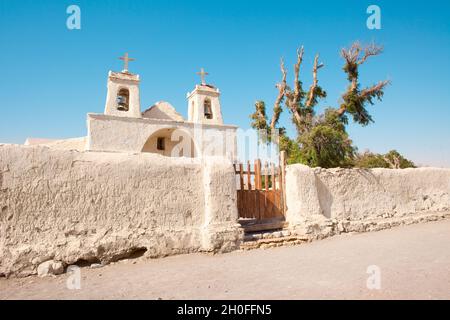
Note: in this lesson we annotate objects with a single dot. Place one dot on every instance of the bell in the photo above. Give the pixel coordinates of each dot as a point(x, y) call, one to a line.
point(122, 103)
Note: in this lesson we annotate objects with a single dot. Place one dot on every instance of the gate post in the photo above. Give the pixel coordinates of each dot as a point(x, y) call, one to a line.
point(301, 195)
point(221, 231)
point(283, 162)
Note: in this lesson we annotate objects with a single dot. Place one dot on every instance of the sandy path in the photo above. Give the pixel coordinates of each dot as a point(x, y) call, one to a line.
point(414, 262)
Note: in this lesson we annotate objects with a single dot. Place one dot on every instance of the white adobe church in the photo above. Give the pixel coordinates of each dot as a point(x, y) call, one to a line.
point(159, 129)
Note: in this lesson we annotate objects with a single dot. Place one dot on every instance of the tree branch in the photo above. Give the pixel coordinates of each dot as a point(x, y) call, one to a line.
point(374, 90)
point(342, 109)
point(351, 54)
point(293, 98)
point(312, 89)
point(284, 92)
point(281, 94)
point(297, 87)
point(354, 99)
point(370, 51)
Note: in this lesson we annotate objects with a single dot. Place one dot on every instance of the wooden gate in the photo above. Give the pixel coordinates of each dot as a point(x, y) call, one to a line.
point(261, 194)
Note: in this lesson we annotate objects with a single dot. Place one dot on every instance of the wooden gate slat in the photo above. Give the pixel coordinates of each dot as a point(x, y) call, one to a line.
point(283, 177)
point(274, 186)
point(260, 199)
point(257, 189)
point(249, 176)
point(267, 214)
point(241, 176)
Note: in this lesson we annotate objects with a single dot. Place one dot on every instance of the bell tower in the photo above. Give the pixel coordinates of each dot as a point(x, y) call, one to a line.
point(123, 92)
point(204, 103)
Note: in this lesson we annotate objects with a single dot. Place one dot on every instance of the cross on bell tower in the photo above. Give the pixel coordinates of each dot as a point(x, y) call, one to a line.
point(122, 99)
point(126, 59)
point(204, 103)
point(202, 75)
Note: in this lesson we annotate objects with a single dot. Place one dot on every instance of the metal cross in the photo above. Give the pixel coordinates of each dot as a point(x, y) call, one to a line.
point(126, 59)
point(202, 75)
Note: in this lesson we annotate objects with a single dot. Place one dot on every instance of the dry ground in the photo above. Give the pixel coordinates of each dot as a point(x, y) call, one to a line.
point(414, 263)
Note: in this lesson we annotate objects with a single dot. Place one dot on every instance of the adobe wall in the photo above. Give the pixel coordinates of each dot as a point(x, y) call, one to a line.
point(69, 206)
point(341, 198)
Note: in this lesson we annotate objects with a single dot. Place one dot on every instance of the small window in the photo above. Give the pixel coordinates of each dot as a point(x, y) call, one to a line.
point(123, 100)
point(161, 144)
point(208, 109)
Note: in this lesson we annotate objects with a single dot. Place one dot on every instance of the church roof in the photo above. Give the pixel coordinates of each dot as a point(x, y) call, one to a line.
point(162, 110)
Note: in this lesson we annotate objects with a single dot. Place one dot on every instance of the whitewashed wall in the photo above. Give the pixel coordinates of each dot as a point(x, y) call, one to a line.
point(68, 205)
point(120, 134)
point(357, 194)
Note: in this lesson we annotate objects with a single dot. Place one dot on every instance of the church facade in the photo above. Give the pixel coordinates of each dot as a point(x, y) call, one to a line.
point(124, 127)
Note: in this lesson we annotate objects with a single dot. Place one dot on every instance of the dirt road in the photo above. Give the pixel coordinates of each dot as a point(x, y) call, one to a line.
point(413, 263)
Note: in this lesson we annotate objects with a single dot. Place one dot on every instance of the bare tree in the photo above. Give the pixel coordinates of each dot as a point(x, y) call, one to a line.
point(298, 102)
point(324, 136)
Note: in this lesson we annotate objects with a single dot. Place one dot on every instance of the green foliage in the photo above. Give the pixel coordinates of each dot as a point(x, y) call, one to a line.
point(327, 144)
point(292, 149)
point(333, 119)
point(351, 69)
point(318, 94)
point(354, 104)
point(285, 143)
point(369, 160)
point(354, 99)
point(259, 117)
point(322, 140)
point(394, 156)
point(393, 159)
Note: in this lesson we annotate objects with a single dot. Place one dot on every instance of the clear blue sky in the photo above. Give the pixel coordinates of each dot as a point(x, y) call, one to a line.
point(51, 76)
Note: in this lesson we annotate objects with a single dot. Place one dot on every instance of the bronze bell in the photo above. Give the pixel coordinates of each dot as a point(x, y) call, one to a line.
point(122, 103)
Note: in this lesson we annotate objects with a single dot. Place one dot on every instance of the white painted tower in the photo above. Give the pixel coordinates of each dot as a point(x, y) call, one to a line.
point(204, 103)
point(123, 93)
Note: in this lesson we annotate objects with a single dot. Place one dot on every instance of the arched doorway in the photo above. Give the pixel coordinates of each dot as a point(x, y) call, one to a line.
point(171, 142)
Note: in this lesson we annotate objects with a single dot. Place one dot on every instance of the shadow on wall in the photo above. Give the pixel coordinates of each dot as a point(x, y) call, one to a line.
point(325, 197)
point(171, 142)
point(370, 177)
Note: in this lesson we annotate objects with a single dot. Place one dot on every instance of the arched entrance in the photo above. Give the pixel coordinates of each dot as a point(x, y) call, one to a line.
point(171, 142)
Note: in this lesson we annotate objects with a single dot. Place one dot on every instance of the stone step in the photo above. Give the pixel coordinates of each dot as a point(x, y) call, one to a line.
point(253, 236)
point(270, 239)
point(268, 225)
